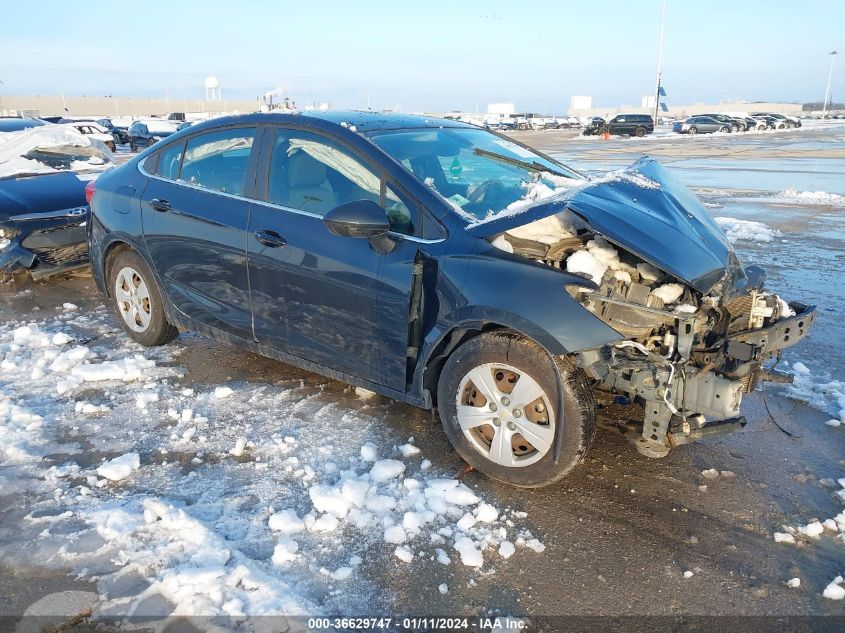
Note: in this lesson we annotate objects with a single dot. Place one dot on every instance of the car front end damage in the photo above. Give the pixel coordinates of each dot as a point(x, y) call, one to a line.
point(695, 329)
point(680, 373)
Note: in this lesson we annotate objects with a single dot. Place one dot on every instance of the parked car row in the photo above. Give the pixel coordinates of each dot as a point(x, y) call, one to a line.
point(532, 121)
point(716, 122)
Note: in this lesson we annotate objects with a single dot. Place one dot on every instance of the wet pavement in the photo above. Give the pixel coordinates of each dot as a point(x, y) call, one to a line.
point(621, 530)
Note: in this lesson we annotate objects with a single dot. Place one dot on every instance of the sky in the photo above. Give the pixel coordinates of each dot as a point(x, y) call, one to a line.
point(427, 56)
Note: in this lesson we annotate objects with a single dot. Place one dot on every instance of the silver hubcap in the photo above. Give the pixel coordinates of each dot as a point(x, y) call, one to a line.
point(505, 414)
point(133, 299)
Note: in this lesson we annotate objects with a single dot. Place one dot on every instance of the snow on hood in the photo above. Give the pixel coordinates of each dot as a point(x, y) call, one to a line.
point(16, 146)
point(642, 209)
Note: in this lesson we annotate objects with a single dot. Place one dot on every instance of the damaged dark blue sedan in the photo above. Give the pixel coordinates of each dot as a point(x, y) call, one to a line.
point(446, 266)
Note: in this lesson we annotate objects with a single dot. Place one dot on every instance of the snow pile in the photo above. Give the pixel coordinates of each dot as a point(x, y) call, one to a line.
point(61, 139)
point(595, 260)
point(549, 230)
point(235, 499)
point(822, 198)
point(745, 230)
point(668, 293)
point(120, 467)
point(835, 590)
point(825, 395)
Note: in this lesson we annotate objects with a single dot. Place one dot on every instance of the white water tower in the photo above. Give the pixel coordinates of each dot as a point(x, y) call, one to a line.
point(212, 89)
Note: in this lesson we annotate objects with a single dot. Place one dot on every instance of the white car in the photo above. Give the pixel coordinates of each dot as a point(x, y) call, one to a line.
point(95, 131)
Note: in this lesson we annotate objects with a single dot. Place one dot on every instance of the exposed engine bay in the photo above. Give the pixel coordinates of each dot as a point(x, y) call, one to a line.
point(687, 357)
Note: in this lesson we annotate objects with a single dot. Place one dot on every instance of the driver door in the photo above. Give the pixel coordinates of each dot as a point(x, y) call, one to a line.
point(315, 295)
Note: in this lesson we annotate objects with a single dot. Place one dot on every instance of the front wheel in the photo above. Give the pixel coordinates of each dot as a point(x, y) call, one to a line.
point(693, 131)
point(137, 301)
point(498, 401)
point(726, 130)
point(640, 132)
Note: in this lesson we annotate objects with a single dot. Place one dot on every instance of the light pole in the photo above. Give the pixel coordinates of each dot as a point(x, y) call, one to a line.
point(827, 88)
point(659, 60)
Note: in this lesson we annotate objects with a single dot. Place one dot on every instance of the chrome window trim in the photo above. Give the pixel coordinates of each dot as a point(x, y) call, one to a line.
point(317, 216)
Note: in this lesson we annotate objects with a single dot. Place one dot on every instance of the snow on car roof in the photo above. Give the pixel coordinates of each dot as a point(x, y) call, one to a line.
point(18, 151)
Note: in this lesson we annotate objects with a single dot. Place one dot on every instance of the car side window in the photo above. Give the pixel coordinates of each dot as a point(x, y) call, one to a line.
point(400, 210)
point(218, 160)
point(313, 173)
point(169, 160)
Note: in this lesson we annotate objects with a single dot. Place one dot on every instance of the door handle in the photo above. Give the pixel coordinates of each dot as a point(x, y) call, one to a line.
point(160, 205)
point(270, 238)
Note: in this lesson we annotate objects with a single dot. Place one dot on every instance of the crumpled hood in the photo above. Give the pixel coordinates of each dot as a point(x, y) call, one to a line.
point(656, 218)
point(46, 192)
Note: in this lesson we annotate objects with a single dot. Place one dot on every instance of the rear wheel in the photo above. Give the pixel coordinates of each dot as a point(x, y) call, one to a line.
point(498, 399)
point(137, 301)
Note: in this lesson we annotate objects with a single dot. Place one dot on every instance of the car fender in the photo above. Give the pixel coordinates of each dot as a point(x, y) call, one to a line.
point(532, 298)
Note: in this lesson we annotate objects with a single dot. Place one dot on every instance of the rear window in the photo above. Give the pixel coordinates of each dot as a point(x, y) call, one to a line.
point(218, 160)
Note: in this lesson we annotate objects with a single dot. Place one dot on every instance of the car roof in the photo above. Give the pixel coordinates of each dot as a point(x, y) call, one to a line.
point(363, 121)
point(16, 124)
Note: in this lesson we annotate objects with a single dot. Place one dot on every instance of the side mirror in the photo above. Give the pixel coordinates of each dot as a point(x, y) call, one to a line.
point(359, 218)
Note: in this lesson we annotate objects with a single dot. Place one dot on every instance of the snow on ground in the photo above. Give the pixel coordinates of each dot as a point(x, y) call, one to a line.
point(237, 499)
point(812, 198)
point(815, 530)
point(820, 393)
point(786, 197)
point(745, 230)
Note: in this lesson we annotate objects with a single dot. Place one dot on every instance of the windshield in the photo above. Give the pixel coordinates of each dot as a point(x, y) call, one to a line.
point(49, 149)
point(479, 173)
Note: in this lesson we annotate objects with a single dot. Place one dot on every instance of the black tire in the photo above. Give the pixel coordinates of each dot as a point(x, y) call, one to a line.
point(159, 331)
point(725, 129)
point(640, 132)
point(693, 130)
point(132, 147)
point(579, 423)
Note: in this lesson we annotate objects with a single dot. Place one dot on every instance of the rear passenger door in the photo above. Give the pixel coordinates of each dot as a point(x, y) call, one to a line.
point(195, 216)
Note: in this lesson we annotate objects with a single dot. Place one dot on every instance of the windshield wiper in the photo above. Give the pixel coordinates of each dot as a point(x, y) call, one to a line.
point(532, 166)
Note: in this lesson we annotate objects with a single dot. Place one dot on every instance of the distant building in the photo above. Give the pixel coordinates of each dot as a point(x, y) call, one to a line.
point(212, 89)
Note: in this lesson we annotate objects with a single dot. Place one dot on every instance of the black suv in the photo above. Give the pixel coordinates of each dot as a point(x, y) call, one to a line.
point(630, 124)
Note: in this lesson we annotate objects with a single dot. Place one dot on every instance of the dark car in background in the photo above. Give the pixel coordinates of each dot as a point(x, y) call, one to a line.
point(43, 206)
point(146, 133)
point(700, 125)
point(734, 124)
point(400, 254)
point(621, 125)
point(119, 132)
point(594, 127)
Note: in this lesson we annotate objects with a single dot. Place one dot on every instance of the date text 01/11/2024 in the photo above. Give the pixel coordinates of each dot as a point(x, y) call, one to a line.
point(418, 623)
